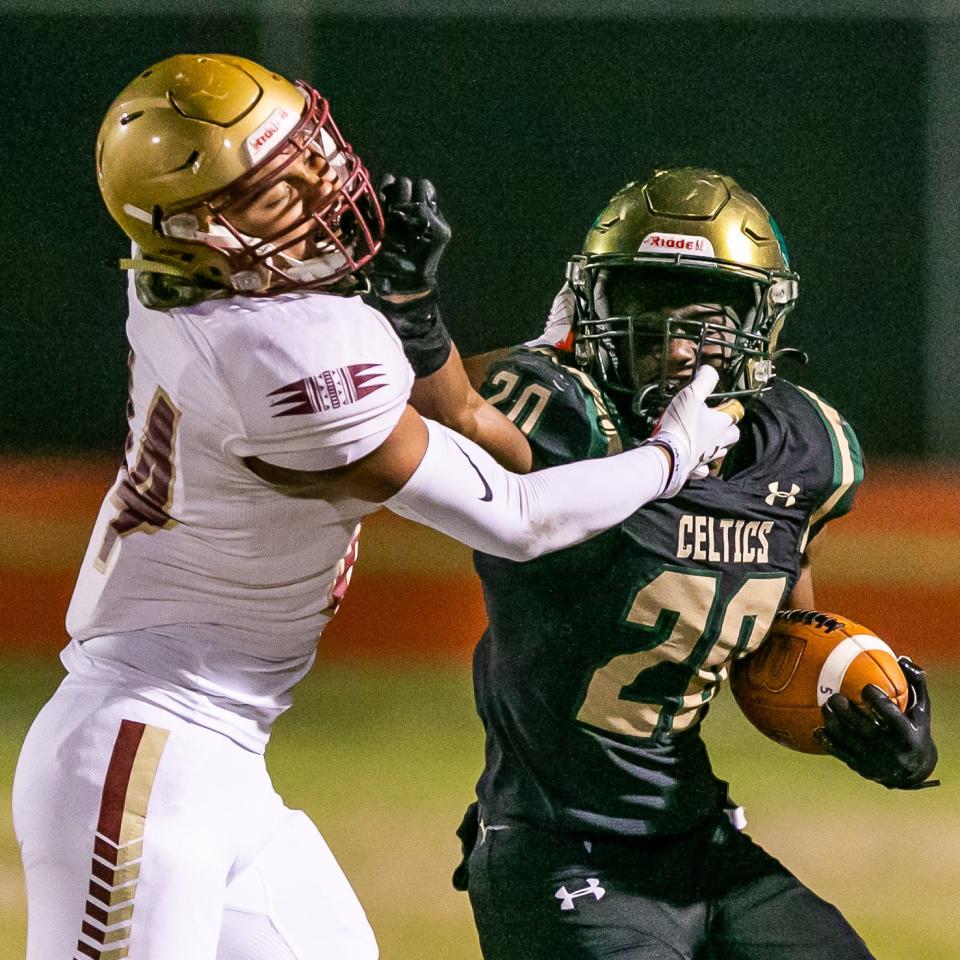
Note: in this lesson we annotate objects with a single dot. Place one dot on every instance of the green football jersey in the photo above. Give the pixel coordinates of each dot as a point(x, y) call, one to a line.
point(600, 660)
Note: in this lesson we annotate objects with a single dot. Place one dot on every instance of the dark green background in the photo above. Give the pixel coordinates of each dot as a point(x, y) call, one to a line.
point(526, 128)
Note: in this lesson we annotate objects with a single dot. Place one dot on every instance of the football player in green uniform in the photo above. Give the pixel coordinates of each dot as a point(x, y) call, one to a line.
point(602, 830)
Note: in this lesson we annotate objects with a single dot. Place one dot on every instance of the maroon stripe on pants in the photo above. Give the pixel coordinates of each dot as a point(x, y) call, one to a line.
point(105, 851)
point(101, 893)
point(117, 779)
point(92, 952)
point(98, 913)
point(94, 933)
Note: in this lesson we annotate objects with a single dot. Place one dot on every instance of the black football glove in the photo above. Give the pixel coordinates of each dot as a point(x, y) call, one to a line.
point(415, 236)
point(403, 275)
point(881, 743)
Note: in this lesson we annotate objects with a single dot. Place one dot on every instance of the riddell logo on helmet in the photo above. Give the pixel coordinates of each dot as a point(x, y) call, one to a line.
point(676, 243)
point(270, 133)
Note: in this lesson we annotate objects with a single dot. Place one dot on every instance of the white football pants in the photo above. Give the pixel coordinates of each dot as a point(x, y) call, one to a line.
point(149, 837)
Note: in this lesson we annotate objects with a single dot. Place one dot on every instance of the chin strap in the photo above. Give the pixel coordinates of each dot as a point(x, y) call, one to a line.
point(152, 266)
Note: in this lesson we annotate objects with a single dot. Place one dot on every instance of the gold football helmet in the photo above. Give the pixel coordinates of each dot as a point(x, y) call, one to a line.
point(698, 234)
point(197, 137)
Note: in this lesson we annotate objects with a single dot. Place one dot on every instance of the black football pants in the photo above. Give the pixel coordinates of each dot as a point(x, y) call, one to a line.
point(712, 894)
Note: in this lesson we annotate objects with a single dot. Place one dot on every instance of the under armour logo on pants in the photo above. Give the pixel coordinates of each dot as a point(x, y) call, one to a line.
point(592, 888)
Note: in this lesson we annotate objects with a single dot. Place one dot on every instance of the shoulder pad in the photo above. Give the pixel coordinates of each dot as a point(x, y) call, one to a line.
point(319, 374)
point(847, 466)
point(560, 409)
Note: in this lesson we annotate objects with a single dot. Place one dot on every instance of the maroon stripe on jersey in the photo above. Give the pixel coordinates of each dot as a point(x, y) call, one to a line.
point(118, 778)
point(346, 378)
point(331, 388)
point(360, 379)
point(314, 394)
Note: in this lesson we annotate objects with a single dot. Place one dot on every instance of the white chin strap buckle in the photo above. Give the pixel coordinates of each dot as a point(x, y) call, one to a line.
point(185, 226)
point(182, 226)
point(246, 281)
point(316, 268)
point(762, 371)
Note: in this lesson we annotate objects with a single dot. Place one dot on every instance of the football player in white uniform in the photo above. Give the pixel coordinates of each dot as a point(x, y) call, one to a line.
point(268, 415)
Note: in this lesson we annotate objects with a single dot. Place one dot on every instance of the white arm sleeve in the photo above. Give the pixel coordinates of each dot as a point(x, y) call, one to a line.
point(460, 490)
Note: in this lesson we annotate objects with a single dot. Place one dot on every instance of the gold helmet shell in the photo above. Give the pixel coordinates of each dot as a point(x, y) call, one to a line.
point(691, 217)
point(685, 219)
point(194, 136)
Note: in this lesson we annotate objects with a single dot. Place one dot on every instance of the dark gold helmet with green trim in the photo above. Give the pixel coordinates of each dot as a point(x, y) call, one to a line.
point(686, 255)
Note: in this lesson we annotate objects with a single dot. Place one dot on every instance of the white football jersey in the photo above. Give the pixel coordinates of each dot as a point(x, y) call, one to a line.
point(202, 585)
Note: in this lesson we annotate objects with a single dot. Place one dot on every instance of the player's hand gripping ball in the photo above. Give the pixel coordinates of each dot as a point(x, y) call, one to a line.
point(808, 657)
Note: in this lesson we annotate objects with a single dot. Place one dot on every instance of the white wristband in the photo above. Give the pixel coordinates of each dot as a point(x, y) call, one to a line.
point(678, 476)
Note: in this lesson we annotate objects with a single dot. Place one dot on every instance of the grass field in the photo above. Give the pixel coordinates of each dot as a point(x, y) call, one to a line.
point(384, 759)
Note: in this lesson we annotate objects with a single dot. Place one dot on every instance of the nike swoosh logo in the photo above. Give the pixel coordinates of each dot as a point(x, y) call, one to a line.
point(488, 493)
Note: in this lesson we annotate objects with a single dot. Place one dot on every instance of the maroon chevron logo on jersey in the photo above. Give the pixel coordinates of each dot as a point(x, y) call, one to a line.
point(327, 390)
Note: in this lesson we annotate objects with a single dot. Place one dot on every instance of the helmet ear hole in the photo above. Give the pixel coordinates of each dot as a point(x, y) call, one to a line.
point(183, 256)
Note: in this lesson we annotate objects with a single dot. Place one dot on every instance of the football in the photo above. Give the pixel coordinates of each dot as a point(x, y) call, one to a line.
point(807, 656)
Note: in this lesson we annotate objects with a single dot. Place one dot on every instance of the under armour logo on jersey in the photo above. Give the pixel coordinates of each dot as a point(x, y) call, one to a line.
point(592, 889)
point(788, 496)
point(327, 390)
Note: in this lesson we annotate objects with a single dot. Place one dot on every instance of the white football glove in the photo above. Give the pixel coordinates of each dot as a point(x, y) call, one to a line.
point(694, 434)
point(559, 323)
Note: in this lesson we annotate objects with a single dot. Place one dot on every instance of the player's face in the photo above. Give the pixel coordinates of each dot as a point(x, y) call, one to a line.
point(651, 297)
point(308, 184)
